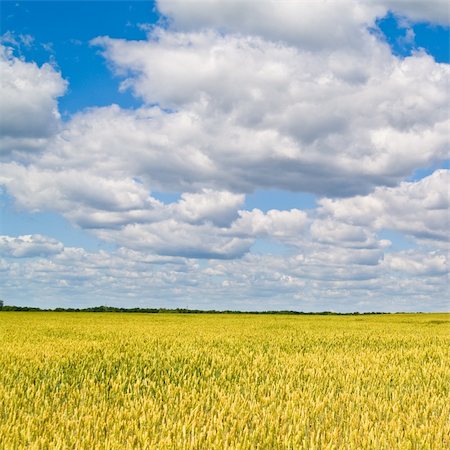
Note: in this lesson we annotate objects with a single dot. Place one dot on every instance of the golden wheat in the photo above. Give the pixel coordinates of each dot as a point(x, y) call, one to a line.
point(125, 381)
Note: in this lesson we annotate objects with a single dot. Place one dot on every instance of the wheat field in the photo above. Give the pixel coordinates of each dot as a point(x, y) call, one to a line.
point(163, 381)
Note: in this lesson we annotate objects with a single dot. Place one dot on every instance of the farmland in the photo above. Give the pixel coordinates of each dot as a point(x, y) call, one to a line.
point(117, 381)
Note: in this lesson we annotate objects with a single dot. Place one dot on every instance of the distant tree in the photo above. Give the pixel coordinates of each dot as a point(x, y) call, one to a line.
point(1, 303)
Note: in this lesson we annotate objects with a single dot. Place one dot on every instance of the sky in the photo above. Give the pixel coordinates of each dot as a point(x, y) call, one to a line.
point(239, 155)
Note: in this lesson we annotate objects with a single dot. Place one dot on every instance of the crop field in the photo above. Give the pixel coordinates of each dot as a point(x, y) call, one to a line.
point(163, 381)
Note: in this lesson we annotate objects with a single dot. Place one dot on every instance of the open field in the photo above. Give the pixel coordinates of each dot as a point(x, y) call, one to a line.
point(99, 380)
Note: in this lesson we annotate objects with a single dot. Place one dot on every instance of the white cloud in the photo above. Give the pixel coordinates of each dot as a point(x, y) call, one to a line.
point(161, 150)
point(418, 264)
point(75, 277)
point(342, 234)
point(300, 23)
point(281, 225)
point(79, 194)
point(340, 259)
point(173, 238)
point(29, 246)
point(203, 233)
point(433, 11)
point(419, 209)
point(220, 208)
point(28, 110)
point(334, 124)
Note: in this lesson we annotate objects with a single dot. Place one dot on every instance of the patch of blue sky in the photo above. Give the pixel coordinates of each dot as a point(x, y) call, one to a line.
point(270, 247)
point(59, 32)
point(277, 199)
point(17, 223)
point(166, 197)
point(404, 38)
point(399, 241)
point(426, 171)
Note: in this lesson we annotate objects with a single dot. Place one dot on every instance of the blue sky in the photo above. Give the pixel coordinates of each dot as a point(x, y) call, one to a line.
point(206, 166)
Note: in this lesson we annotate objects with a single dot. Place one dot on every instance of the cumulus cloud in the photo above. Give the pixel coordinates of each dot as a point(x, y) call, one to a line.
point(281, 225)
point(29, 246)
point(328, 231)
point(202, 232)
point(240, 132)
point(219, 208)
point(173, 238)
point(419, 209)
point(28, 110)
point(300, 23)
point(433, 11)
point(75, 277)
point(334, 124)
point(417, 263)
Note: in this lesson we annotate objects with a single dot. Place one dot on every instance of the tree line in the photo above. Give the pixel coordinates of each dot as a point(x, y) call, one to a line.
point(112, 309)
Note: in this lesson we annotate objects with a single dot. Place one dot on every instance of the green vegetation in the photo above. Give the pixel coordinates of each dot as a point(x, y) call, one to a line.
point(108, 309)
point(118, 381)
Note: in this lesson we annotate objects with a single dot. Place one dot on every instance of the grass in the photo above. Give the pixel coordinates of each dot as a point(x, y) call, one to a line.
point(117, 381)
